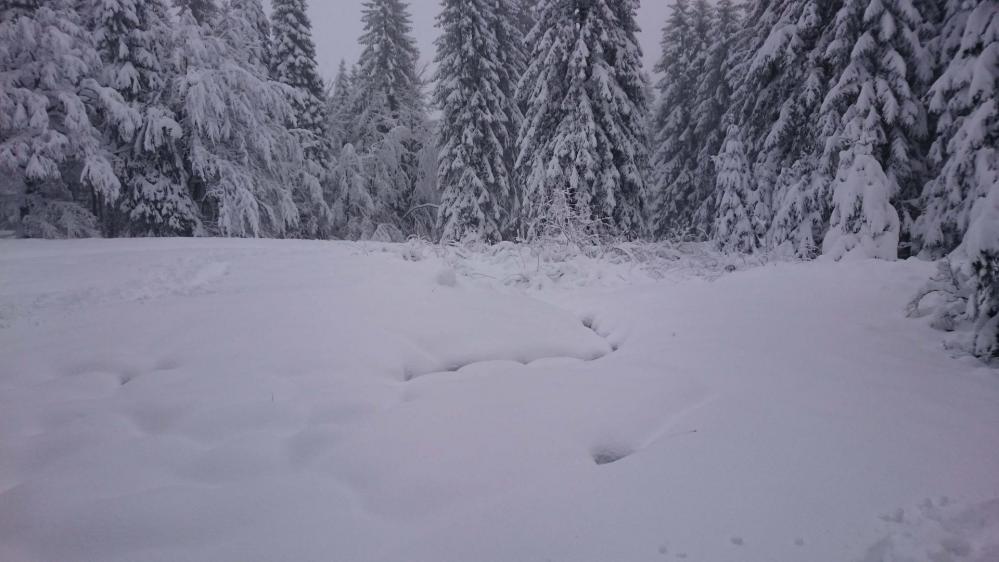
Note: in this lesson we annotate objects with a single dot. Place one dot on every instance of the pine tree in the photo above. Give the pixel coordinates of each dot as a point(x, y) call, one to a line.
point(964, 98)
point(58, 168)
point(133, 39)
point(881, 123)
point(736, 229)
point(583, 144)
point(477, 122)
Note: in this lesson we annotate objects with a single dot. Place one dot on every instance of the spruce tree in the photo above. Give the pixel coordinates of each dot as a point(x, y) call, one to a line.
point(293, 63)
point(583, 144)
point(243, 162)
point(675, 198)
point(391, 118)
point(511, 55)
point(133, 39)
point(736, 229)
point(524, 15)
point(783, 77)
point(250, 29)
point(340, 108)
point(203, 11)
point(58, 167)
point(475, 136)
point(712, 100)
point(387, 65)
point(881, 123)
point(965, 101)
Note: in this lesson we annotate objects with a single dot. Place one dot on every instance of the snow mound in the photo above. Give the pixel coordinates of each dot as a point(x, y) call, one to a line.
point(251, 400)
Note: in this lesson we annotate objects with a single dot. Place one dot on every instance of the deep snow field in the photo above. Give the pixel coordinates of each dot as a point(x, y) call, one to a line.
point(244, 401)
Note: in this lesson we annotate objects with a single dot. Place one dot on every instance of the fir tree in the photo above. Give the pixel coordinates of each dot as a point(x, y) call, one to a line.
point(583, 144)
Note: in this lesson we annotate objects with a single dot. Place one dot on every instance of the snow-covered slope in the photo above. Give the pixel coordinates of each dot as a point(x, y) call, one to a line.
point(212, 400)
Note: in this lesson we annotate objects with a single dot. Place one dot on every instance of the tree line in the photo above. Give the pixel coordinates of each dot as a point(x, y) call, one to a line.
point(801, 127)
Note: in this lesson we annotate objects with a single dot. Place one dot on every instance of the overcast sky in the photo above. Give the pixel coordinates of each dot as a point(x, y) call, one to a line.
point(337, 25)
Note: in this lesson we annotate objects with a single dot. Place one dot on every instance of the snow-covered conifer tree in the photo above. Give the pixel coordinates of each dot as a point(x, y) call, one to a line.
point(583, 152)
point(881, 123)
point(387, 67)
point(391, 118)
point(243, 161)
point(203, 11)
point(476, 136)
point(736, 228)
point(134, 40)
point(782, 78)
point(864, 223)
point(56, 163)
point(512, 62)
point(354, 208)
point(962, 200)
point(966, 101)
point(340, 109)
point(712, 101)
point(294, 64)
point(524, 15)
point(249, 32)
point(675, 198)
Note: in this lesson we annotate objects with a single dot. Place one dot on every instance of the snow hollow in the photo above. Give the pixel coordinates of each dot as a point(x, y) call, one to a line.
point(223, 400)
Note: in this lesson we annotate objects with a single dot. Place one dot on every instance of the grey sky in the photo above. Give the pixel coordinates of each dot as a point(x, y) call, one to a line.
point(337, 25)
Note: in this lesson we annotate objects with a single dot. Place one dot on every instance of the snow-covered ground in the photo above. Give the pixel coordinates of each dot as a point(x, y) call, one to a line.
point(215, 400)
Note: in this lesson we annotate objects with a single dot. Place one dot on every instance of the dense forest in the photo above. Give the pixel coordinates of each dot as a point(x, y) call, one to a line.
point(793, 127)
